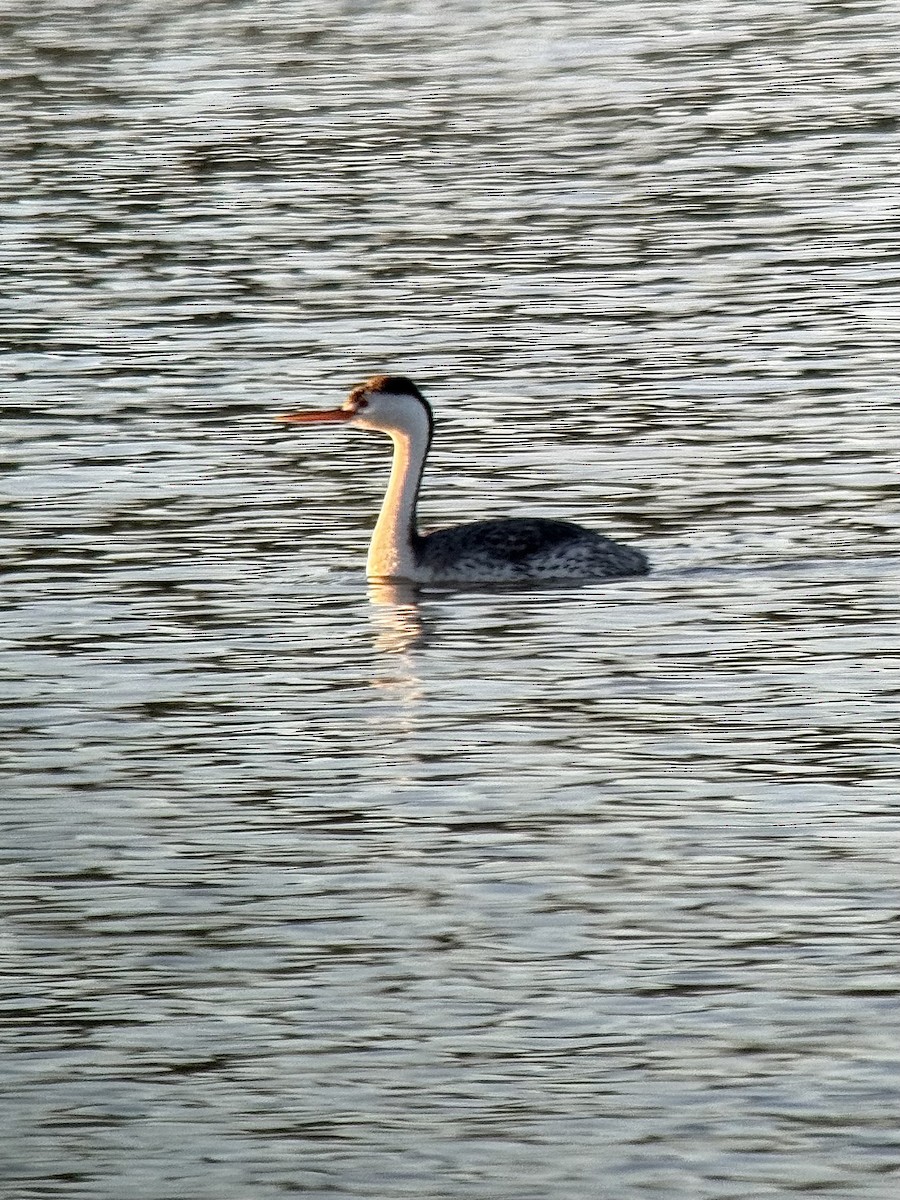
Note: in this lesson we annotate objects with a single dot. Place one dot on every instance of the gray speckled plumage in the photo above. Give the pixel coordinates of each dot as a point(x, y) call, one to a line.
point(522, 548)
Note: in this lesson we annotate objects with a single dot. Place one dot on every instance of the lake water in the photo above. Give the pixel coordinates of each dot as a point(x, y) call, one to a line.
point(317, 888)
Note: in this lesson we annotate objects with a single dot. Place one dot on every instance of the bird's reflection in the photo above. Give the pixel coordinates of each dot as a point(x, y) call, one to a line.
point(397, 616)
point(399, 630)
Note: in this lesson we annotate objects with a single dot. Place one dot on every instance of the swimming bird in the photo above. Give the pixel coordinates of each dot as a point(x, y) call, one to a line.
point(510, 550)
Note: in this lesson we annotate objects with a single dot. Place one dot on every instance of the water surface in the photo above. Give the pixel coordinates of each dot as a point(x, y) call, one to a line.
point(321, 888)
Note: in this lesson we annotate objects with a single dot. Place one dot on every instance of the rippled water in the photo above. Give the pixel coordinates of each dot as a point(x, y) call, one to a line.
point(317, 888)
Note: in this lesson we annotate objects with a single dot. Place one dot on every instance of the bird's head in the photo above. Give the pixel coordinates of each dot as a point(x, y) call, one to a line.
point(390, 404)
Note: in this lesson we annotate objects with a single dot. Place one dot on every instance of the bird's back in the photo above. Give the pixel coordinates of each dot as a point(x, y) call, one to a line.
point(525, 548)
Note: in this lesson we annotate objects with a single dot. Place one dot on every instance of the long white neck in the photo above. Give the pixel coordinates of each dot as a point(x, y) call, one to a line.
point(391, 553)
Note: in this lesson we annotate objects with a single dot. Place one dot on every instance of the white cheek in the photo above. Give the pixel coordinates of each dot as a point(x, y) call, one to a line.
point(361, 421)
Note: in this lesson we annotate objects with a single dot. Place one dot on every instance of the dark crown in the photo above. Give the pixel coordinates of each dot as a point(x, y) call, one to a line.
point(397, 385)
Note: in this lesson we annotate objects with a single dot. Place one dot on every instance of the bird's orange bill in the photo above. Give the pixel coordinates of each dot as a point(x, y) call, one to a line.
point(323, 414)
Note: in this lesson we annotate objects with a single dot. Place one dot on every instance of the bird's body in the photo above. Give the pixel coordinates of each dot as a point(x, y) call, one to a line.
point(510, 550)
point(518, 549)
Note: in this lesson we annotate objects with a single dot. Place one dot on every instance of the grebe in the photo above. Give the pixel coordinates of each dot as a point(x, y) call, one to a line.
point(513, 550)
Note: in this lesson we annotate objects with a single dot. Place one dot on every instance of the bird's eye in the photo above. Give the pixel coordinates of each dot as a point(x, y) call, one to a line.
point(361, 403)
